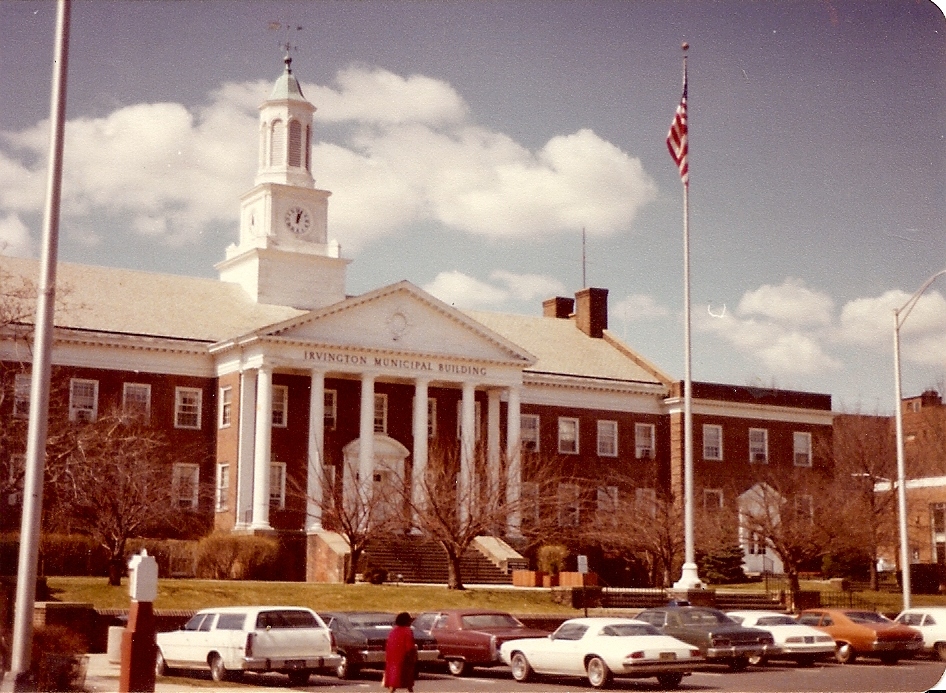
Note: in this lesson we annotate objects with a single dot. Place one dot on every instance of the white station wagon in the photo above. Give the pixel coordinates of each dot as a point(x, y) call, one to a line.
point(231, 640)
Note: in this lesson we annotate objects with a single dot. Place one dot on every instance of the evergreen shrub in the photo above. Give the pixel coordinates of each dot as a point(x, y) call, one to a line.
point(238, 557)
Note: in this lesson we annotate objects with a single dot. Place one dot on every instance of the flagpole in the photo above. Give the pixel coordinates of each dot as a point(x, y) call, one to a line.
point(678, 140)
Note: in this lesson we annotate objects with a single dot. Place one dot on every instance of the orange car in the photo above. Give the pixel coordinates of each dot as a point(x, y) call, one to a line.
point(858, 632)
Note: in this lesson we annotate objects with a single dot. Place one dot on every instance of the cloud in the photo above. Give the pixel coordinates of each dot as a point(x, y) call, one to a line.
point(461, 290)
point(15, 237)
point(790, 303)
point(395, 151)
point(638, 307)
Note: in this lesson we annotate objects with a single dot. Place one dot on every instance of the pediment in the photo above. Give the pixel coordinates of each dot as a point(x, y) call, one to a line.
point(399, 318)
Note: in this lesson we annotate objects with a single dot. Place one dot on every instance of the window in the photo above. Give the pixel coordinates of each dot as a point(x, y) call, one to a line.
point(607, 505)
point(759, 445)
point(280, 406)
point(15, 479)
point(331, 410)
point(646, 501)
point(805, 508)
point(569, 509)
point(568, 436)
point(226, 407)
point(431, 417)
point(83, 399)
point(608, 438)
point(277, 485)
point(802, 447)
point(222, 494)
point(712, 499)
point(21, 396)
point(136, 400)
point(187, 407)
point(380, 413)
point(529, 501)
point(644, 441)
point(529, 432)
point(712, 442)
point(184, 485)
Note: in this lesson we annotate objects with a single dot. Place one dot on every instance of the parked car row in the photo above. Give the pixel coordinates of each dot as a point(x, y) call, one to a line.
point(666, 643)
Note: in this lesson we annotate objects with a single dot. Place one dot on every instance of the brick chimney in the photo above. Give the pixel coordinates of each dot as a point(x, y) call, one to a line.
point(558, 307)
point(591, 311)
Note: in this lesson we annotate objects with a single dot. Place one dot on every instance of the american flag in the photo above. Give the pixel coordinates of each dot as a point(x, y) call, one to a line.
point(677, 137)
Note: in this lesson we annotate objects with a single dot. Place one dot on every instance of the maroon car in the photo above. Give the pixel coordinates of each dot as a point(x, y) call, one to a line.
point(471, 637)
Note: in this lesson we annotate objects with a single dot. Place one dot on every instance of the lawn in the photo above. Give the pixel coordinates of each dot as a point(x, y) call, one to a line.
point(197, 594)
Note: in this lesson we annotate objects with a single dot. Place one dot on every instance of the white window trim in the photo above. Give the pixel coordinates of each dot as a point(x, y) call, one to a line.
point(646, 501)
point(570, 421)
point(529, 433)
point(179, 392)
point(380, 403)
point(644, 450)
point(22, 385)
point(280, 406)
point(180, 469)
point(805, 452)
point(146, 388)
point(607, 438)
point(277, 490)
point(754, 454)
point(226, 407)
point(707, 451)
point(83, 414)
point(222, 493)
point(331, 410)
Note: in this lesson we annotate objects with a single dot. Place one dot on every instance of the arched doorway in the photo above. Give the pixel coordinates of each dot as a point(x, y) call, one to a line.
point(381, 503)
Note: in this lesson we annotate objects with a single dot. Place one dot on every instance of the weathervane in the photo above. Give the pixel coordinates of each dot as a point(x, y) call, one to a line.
point(287, 44)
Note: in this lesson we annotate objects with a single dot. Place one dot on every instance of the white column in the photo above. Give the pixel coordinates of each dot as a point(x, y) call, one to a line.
point(513, 464)
point(262, 457)
point(492, 441)
point(467, 450)
point(366, 437)
point(245, 451)
point(420, 424)
point(314, 490)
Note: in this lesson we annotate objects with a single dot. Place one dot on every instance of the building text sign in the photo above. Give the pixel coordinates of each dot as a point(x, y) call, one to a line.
point(393, 363)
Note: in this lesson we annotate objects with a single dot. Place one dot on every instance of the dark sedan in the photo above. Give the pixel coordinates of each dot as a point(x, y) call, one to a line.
point(720, 639)
point(472, 637)
point(361, 636)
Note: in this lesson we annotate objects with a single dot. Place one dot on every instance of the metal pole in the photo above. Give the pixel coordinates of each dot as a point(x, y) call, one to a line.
point(39, 385)
point(901, 469)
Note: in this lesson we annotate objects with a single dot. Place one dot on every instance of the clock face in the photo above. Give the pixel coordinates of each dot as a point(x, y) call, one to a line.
point(298, 220)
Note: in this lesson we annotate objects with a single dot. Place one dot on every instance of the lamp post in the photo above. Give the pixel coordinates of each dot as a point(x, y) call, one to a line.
point(899, 316)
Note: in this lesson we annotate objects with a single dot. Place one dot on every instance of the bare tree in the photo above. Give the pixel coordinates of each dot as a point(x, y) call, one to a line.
point(864, 454)
point(111, 478)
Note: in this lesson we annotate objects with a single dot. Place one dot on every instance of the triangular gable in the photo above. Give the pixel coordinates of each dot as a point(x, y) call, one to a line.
point(403, 318)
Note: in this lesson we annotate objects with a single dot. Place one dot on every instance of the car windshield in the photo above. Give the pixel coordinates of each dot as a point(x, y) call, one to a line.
point(476, 621)
point(776, 620)
point(867, 617)
point(698, 617)
point(623, 630)
point(372, 620)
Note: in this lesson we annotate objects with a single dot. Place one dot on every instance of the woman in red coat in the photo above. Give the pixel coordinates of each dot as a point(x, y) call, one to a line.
point(400, 655)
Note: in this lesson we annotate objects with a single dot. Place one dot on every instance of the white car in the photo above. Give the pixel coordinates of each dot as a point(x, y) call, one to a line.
point(600, 649)
point(231, 640)
point(931, 622)
point(799, 642)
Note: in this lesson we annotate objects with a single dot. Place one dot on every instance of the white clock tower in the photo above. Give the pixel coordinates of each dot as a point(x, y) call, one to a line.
point(284, 256)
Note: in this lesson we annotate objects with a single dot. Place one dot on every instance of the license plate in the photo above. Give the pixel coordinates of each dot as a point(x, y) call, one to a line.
point(668, 655)
point(295, 664)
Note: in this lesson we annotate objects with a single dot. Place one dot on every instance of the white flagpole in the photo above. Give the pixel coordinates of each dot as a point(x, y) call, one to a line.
point(42, 348)
point(689, 578)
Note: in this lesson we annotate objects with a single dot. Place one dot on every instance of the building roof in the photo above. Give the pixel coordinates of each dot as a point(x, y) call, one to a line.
point(108, 299)
point(561, 348)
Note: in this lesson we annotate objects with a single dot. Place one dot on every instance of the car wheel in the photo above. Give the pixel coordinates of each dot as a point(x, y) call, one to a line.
point(599, 675)
point(299, 678)
point(669, 681)
point(218, 672)
point(757, 660)
point(940, 650)
point(738, 663)
point(457, 667)
point(346, 669)
point(845, 654)
point(521, 669)
point(161, 667)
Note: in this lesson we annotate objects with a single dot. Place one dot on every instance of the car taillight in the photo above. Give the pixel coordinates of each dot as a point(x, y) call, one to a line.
point(694, 653)
point(636, 655)
point(250, 637)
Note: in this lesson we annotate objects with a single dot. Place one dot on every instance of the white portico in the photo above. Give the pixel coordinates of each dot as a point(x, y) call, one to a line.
point(396, 334)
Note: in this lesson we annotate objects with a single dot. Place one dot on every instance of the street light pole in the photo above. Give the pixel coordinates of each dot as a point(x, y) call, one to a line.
point(899, 316)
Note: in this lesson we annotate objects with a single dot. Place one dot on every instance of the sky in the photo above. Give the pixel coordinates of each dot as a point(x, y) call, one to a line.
point(497, 153)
